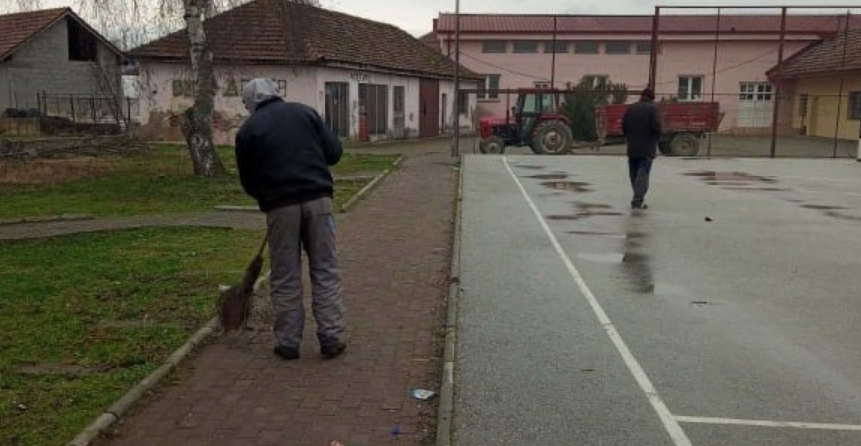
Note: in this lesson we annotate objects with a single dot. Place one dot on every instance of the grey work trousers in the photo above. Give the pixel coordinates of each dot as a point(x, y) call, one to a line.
point(311, 226)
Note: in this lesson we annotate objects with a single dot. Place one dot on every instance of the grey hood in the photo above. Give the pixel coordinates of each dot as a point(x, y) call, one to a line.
point(258, 90)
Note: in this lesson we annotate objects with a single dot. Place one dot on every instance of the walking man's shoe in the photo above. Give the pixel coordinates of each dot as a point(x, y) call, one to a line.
point(287, 353)
point(333, 351)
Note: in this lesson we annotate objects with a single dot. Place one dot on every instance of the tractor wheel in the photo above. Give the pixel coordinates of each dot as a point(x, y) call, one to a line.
point(685, 144)
point(493, 145)
point(552, 138)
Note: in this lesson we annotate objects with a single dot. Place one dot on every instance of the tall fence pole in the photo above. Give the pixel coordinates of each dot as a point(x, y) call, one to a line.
point(842, 82)
point(553, 57)
point(777, 90)
point(653, 62)
point(714, 74)
point(455, 146)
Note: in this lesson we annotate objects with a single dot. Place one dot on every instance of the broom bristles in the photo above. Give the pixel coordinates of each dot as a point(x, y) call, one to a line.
point(236, 300)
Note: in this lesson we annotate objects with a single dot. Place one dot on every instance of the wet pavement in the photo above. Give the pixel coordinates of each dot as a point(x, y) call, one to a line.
point(725, 314)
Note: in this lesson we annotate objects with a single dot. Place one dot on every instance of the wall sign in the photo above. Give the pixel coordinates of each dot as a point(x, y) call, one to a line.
point(360, 77)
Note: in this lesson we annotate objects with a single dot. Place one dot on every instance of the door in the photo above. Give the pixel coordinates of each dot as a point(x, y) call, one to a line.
point(398, 110)
point(374, 101)
point(755, 104)
point(428, 108)
point(444, 114)
point(337, 108)
point(814, 117)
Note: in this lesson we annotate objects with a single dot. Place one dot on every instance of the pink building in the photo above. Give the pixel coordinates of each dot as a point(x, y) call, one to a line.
point(518, 51)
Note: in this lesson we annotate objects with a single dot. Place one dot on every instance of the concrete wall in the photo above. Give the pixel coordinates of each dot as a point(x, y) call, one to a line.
point(827, 108)
point(161, 103)
point(43, 65)
point(737, 61)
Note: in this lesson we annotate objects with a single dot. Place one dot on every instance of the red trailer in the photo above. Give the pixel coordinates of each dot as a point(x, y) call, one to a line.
point(684, 124)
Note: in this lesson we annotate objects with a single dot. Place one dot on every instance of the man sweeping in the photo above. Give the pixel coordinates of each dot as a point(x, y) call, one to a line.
point(283, 153)
point(641, 126)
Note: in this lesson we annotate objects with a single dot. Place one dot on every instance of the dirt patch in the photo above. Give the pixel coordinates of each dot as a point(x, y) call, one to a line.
point(51, 171)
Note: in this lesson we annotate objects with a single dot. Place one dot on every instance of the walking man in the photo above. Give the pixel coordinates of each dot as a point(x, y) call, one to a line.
point(641, 126)
point(283, 154)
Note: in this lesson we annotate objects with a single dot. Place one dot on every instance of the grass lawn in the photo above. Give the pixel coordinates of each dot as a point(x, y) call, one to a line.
point(156, 181)
point(87, 316)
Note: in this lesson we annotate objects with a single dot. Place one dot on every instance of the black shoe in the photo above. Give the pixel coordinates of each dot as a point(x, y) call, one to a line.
point(287, 353)
point(639, 206)
point(333, 351)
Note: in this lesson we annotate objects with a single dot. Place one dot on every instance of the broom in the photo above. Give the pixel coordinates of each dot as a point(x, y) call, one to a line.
point(236, 300)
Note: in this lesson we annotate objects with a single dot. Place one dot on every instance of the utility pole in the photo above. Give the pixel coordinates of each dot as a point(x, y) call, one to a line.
point(455, 142)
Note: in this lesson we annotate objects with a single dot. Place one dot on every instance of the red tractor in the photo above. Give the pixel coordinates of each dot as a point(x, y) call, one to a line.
point(535, 122)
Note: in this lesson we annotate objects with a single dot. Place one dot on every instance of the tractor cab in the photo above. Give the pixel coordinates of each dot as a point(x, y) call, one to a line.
point(534, 121)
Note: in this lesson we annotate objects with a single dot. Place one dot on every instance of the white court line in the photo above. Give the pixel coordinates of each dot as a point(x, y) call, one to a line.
point(670, 424)
point(765, 423)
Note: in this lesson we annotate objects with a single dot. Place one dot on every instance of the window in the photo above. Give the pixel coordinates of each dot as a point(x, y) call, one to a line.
point(617, 47)
point(490, 89)
point(181, 87)
point(690, 88)
point(755, 92)
point(463, 103)
point(855, 106)
point(494, 46)
point(595, 80)
point(82, 44)
point(398, 95)
point(542, 84)
point(555, 47)
point(587, 48)
point(644, 47)
point(802, 105)
point(525, 46)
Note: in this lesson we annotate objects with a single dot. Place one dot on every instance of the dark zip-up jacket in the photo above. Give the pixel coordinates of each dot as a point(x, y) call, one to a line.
point(641, 126)
point(283, 154)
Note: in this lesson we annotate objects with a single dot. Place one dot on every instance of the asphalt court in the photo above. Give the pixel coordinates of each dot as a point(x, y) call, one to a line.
point(725, 314)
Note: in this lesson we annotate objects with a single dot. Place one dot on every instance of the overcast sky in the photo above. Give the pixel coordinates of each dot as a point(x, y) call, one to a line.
point(416, 16)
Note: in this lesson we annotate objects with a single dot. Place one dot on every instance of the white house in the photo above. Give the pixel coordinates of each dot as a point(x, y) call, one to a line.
point(369, 80)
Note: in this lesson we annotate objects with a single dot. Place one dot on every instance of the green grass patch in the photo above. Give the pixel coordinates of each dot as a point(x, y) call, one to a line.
point(85, 317)
point(160, 181)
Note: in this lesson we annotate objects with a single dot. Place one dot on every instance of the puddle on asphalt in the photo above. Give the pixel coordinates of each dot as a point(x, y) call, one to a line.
point(758, 189)
point(822, 207)
point(571, 186)
point(840, 216)
point(717, 178)
point(550, 176)
point(529, 167)
point(582, 215)
point(633, 235)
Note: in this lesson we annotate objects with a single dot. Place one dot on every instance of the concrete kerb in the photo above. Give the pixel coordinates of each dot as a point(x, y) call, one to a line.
point(446, 404)
point(370, 186)
point(122, 406)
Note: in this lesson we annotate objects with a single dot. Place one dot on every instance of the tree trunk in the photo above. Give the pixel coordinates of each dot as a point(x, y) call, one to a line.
point(196, 122)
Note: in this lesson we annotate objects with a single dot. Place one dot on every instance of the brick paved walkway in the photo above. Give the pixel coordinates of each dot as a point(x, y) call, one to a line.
point(394, 249)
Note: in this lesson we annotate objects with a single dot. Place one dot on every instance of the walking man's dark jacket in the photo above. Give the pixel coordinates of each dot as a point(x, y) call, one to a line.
point(641, 126)
point(283, 153)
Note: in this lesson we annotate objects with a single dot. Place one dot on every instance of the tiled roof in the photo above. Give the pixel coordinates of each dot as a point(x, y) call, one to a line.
point(430, 40)
point(524, 24)
point(837, 54)
point(15, 29)
point(283, 32)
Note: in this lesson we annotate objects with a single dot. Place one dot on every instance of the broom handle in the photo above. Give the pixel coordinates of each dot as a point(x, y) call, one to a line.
point(263, 243)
